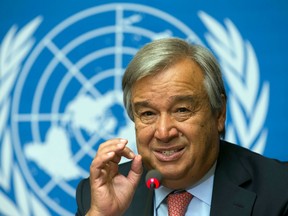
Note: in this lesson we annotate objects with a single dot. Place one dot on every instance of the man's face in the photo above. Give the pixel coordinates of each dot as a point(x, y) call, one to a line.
point(176, 131)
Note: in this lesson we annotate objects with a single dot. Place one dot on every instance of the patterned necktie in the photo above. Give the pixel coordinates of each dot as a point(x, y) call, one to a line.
point(178, 203)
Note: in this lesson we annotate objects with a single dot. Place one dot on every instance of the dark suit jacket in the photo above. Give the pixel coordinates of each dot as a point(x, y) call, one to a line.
point(245, 184)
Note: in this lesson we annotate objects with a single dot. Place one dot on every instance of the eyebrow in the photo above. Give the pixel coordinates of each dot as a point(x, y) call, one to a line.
point(140, 104)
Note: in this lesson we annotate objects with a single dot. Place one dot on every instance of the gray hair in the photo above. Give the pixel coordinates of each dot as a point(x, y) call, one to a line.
point(163, 53)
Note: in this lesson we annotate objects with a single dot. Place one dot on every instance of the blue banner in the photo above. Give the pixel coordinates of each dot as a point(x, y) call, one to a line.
point(61, 64)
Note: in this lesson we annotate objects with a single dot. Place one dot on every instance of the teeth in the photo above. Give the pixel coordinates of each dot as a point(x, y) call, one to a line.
point(168, 153)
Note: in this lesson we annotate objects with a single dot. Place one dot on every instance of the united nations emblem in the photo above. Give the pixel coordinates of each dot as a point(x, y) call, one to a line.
point(67, 98)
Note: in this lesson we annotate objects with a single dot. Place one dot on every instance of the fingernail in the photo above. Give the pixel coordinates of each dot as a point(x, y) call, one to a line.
point(121, 145)
point(110, 153)
point(123, 141)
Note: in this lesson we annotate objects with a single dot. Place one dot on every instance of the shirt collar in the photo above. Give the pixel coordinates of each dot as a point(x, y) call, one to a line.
point(203, 188)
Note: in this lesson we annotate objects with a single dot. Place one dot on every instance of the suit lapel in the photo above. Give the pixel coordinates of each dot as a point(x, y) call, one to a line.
point(230, 199)
point(229, 196)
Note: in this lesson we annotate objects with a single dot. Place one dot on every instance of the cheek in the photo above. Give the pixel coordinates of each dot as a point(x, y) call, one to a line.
point(144, 134)
point(200, 134)
point(144, 137)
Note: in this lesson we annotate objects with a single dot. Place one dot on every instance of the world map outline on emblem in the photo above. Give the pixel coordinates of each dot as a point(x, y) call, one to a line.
point(73, 116)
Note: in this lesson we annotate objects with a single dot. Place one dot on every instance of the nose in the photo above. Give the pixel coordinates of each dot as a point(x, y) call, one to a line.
point(165, 129)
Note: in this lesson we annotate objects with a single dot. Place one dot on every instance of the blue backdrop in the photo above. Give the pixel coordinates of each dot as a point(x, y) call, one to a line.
point(61, 64)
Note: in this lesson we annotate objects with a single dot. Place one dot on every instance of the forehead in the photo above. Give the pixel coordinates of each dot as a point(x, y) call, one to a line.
point(183, 78)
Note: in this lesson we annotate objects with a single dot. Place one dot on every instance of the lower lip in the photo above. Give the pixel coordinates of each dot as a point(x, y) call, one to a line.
point(175, 156)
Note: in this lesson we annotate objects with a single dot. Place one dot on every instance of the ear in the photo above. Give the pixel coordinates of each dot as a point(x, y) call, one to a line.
point(221, 118)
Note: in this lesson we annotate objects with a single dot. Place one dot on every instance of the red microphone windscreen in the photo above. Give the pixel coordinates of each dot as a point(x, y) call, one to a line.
point(153, 179)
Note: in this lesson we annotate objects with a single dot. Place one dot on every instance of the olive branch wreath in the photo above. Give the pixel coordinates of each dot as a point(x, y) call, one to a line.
point(240, 69)
point(247, 104)
point(13, 50)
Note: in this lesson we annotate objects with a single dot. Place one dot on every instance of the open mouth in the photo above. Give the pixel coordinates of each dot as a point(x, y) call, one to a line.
point(169, 155)
point(171, 152)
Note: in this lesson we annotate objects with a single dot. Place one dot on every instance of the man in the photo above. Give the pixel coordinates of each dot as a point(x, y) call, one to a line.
point(175, 95)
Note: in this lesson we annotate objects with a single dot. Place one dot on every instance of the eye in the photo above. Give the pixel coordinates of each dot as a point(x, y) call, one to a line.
point(146, 114)
point(182, 110)
point(146, 117)
point(182, 113)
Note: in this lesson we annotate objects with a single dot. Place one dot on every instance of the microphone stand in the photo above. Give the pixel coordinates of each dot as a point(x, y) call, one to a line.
point(149, 210)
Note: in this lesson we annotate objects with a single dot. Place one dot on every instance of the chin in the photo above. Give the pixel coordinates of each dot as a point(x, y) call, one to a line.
point(171, 172)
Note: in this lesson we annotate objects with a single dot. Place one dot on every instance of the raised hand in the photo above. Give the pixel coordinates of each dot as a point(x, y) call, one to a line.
point(112, 192)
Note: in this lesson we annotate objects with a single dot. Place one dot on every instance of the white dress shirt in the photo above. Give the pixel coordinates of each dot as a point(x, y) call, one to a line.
point(200, 203)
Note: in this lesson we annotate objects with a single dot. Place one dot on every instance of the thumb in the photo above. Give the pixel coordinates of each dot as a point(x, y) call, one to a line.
point(136, 170)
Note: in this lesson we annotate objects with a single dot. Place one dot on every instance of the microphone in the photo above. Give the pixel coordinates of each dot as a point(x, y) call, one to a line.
point(153, 179)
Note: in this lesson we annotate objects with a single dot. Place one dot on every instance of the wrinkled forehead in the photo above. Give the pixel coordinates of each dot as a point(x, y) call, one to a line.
point(185, 78)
